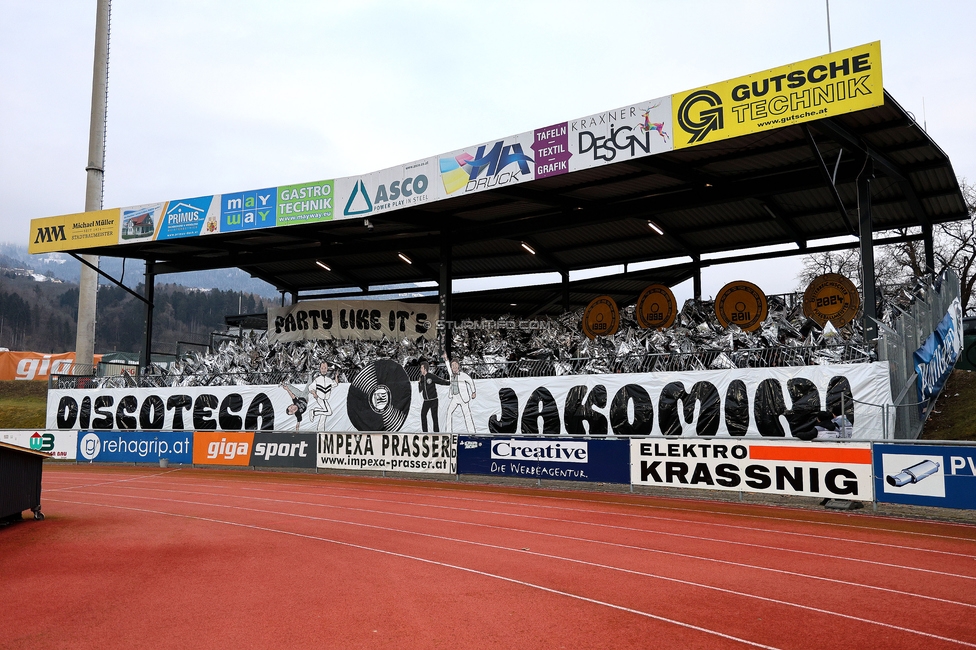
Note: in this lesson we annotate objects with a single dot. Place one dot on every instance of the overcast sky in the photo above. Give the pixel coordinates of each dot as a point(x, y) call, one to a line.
point(211, 97)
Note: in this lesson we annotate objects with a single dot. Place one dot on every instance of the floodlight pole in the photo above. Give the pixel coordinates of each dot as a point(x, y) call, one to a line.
point(88, 284)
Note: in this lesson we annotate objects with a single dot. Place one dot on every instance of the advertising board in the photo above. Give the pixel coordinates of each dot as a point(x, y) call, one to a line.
point(943, 476)
point(62, 445)
point(427, 453)
point(550, 458)
point(801, 469)
point(352, 320)
point(134, 446)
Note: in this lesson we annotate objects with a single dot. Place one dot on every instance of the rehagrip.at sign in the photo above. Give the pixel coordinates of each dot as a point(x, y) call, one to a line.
point(134, 446)
point(804, 469)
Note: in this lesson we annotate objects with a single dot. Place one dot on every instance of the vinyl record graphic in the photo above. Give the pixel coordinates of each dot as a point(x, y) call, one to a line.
point(741, 303)
point(379, 398)
point(601, 317)
point(656, 307)
point(831, 297)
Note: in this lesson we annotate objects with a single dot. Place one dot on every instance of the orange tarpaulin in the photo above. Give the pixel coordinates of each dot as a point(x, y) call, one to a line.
point(37, 365)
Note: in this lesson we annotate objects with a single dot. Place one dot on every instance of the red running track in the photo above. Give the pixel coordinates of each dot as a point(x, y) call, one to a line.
point(193, 558)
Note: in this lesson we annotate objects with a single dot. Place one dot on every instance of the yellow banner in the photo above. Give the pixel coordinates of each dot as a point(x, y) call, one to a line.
point(841, 82)
point(71, 231)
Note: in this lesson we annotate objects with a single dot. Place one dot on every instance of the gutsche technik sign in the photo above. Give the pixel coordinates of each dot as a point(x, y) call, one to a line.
point(750, 402)
point(826, 86)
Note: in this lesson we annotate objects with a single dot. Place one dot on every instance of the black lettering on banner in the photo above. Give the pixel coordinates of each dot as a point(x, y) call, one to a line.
point(758, 477)
point(669, 419)
point(769, 406)
point(839, 390)
point(203, 408)
point(650, 469)
point(578, 412)
point(675, 470)
point(314, 315)
point(67, 412)
point(125, 413)
point(178, 404)
point(739, 451)
point(326, 319)
point(290, 323)
point(706, 394)
point(806, 403)
point(302, 320)
point(84, 416)
point(422, 324)
point(701, 475)
point(784, 476)
point(643, 421)
point(104, 420)
point(508, 420)
point(848, 484)
point(541, 404)
point(737, 408)
point(260, 410)
point(728, 475)
point(152, 414)
point(279, 323)
point(230, 405)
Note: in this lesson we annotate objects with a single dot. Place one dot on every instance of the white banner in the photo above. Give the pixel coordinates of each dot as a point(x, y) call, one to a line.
point(391, 452)
point(815, 469)
point(62, 445)
point(755, 402)
point(352, 319)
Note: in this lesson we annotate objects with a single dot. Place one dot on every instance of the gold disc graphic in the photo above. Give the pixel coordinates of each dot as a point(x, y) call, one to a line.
point(831, 297)
point(741, 303)
point(656, 307)
point(601, 317)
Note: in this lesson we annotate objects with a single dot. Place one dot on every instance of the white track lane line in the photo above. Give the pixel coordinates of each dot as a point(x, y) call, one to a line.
point(526, 531)
point(115, 482)
point(638, 530)
point(436, 563)
point(549, 556)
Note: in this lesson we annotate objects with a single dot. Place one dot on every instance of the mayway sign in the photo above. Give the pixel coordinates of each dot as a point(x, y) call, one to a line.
point(801, 469)
point(564, 459)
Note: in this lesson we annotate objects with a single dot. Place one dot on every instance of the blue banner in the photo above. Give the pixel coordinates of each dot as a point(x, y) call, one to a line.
point(926, 475)
point(562, 458)
point(938, 354)
point(135, 446)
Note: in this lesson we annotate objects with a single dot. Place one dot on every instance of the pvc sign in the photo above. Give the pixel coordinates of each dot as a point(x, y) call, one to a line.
point(556, 458)
point(801, 469)
point(926, 475)
point(62, 445)
point(134, 446)
point(391, 452)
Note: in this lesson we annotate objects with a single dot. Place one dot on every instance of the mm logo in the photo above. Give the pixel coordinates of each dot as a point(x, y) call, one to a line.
point(50, 234)
point(699, 122)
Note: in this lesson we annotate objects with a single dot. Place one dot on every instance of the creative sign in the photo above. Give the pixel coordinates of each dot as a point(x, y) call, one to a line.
point(741, 303)
point(601, 317)
point(812, 469)
point(831, 297)
point(656, 307)
point(352, 319)
point(599, 461)
point(824, 86)
point(837, 83)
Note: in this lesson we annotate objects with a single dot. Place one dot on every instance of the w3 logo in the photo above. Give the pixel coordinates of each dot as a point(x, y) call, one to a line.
point(50, 234)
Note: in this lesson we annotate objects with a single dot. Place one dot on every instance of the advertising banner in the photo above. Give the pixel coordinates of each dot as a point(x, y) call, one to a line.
point(190, 218)
point(398, 187)
point(248, 210)
point(139, 222)
point(553, 458)
point(134, 446)
point(222, 448)
point(62, 445)
point(926, 475)
point(352, 320)
point(938, 354)
point(305, 203)
point(499, 163)
point(814, 469)
point(71, 231)
point(34, 365)
point(617, 135)
point(284, 450)
point(391, 452)
point(751, 402)
point(825, 86)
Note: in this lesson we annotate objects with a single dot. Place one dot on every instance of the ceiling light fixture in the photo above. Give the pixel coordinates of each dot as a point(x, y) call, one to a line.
point(405, 258)
point(323, 265)
point(528, 248)
point(653, 226)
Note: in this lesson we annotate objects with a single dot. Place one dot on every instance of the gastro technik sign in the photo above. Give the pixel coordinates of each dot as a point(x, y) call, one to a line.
point(837, 83)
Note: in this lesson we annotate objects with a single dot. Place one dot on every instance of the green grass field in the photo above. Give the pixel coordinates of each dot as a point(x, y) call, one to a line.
point(22, 404)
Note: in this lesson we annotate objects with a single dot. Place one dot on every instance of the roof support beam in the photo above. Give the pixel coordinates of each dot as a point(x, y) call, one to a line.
point(829, 179)
point(108, 277)
point(853, 141)
point(784, 220)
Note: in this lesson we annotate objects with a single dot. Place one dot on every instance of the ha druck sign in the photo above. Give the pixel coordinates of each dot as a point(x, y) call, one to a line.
point(801, 469)
point(563, 459)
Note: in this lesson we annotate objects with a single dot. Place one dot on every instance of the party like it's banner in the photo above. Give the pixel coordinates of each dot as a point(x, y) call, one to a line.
point(352, 319)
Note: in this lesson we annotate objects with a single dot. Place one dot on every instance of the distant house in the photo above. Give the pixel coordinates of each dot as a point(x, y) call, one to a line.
point(139, 224)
